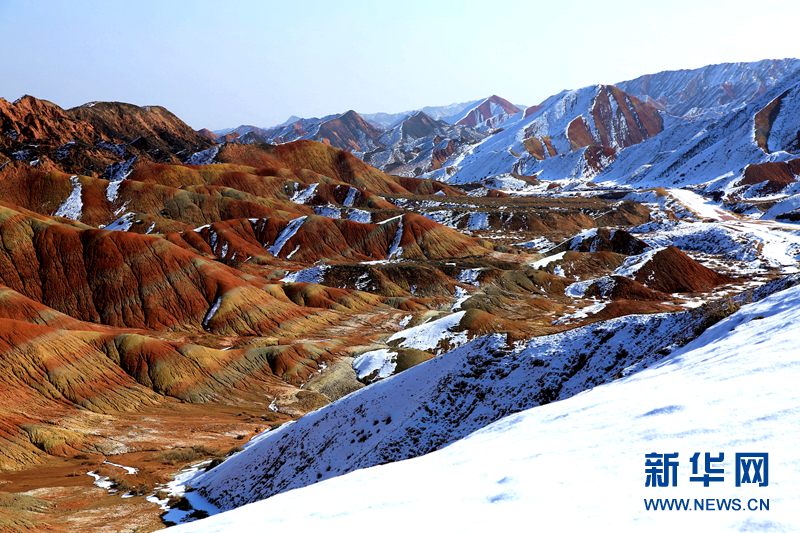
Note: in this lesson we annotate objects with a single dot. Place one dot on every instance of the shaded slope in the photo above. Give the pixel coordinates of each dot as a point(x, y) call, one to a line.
point(147, 127)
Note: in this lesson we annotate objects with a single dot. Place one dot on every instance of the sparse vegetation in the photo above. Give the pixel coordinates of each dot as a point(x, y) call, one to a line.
point(185, 455)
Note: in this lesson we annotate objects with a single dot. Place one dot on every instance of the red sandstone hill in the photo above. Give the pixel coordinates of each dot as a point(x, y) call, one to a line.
point(88, 139)
point(127, 280)
point(327, 161)
point(349, 132)
point(149, 128)
point(773, 177)
point(670, 271)
point(311, 238)
point(208, 134)
point(621, 120)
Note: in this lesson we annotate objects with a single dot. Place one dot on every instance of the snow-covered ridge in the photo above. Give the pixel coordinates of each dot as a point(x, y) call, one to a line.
point(444, 400)
point(580, 463)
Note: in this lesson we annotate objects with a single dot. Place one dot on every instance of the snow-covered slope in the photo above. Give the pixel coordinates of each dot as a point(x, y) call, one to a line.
point(709, 90)
point(566, 123)
point(441, 401)
point(705, 151)
point(581, 462)
point(602, 134)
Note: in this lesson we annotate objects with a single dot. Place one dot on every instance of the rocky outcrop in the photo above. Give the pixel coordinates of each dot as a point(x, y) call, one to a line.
point(771, 177)
point(764, 119)
point(603, 240)
point(671, 270)
point(619, 120)
point(153, 129)
point(491, 107)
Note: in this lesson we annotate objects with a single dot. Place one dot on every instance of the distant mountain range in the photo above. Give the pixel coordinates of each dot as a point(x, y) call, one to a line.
point(591, 134)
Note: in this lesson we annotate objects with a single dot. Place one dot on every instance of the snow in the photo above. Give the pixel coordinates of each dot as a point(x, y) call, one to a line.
point(363, 281)
point(301, 197)
point(330, 211)
point(105, 482)
point(539, 243)
point(287, 233)
point(478, 221)
point(352, 196)
point(703, 207)
point(123, 223)
point(753, 247)
point(579, 463)
point(359, 215)
point(585, 235)
point(578, 289)
point(296, 248)
point(469, 276)
point(128, 469)
point(461, 296)
point(101, 481)
point(384, 361)
point(206, 157)
point(120, 171)
point(541, 263)
point(445, 217)
point(388, 220)
point(314, 274)
point(178, 487)
point(784, 206)
point(395, 250)
point(429, 336)
point(72, 208)
point(212, 311)
point(112, 191)
point(581, 313)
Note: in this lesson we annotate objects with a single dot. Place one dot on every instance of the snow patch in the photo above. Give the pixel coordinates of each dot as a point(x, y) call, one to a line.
point(301, 197)
point(212, 311)
point(72, 208)
point(314, 274)
point(429, 336)
point(384, 361)
point(287, 233)
point(123, 223)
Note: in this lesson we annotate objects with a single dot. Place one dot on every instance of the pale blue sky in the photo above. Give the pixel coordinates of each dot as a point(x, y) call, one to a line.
point(220, 64)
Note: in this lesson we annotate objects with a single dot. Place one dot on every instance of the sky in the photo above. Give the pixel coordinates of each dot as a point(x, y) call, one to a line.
point(222, 64)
